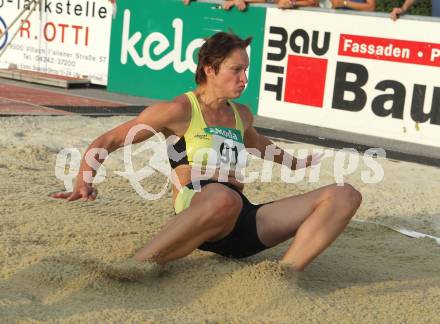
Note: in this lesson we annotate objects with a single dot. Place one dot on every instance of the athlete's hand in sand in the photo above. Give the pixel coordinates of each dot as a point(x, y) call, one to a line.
point(85, 192)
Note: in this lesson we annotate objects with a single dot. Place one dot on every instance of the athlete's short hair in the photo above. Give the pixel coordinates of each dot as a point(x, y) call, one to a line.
point(215, 50)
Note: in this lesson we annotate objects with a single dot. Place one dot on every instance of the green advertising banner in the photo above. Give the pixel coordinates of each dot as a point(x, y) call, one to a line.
point(154, 45)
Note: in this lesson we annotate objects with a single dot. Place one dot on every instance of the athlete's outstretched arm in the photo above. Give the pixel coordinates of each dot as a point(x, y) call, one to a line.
point(158, 117)
point(270, 151)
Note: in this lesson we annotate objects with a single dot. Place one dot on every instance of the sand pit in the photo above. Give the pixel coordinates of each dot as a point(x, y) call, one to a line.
point(66, 262)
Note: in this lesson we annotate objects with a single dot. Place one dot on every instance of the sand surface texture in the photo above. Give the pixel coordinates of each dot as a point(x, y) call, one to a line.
point(65, 262)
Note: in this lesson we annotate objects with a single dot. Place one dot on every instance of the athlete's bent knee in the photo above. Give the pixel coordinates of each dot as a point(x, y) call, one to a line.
point(347, 197)
point(223, 209)
point(352, 196)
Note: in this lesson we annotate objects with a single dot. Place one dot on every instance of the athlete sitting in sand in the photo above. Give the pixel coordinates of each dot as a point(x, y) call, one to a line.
point(219, 218)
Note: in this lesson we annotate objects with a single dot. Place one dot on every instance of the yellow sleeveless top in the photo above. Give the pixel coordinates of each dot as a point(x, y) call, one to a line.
point(209, 146)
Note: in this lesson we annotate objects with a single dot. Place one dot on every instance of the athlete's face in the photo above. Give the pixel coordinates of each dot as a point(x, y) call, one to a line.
point(230, 80)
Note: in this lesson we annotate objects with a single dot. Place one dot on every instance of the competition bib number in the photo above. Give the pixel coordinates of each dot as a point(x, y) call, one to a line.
point(228, 153)
point(227, 143)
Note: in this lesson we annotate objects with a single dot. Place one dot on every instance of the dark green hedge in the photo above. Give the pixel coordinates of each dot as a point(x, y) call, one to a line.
point(422, 7)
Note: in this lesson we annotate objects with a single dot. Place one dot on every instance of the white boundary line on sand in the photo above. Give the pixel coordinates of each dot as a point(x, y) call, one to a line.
point(403, 231)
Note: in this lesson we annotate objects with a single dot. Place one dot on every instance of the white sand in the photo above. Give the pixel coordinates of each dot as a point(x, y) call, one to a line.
point(65, 262)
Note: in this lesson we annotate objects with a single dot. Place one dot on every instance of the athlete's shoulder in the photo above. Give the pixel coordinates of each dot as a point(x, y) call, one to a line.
point(177, 110)
point(180, 105)
point(177, 107)
point(245, 114)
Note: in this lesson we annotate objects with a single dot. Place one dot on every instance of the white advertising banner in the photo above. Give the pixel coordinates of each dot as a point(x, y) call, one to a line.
point(63, 37)
point(360, 74)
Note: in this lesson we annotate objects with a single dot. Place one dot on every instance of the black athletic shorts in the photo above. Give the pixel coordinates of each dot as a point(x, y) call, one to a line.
point(243, 241)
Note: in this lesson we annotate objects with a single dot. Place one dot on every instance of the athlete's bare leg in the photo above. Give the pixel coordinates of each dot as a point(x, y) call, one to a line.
point(315, 218)
point(211, 216)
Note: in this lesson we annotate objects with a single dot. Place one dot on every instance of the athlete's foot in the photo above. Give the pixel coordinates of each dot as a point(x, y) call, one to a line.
point(129, 270)
point(290, 265)
point(141, 256)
